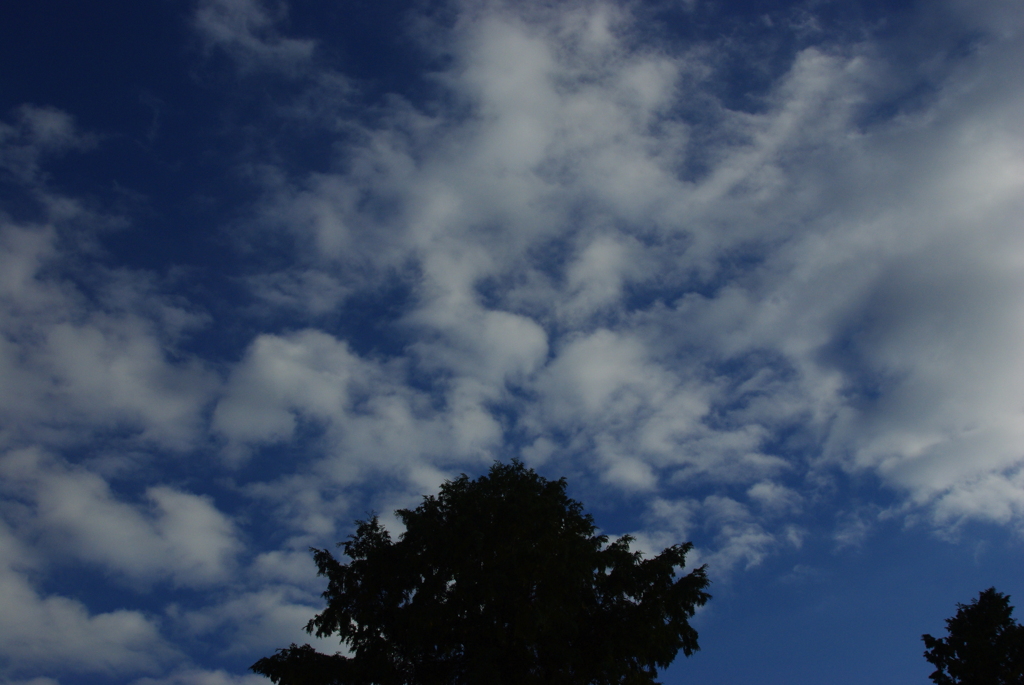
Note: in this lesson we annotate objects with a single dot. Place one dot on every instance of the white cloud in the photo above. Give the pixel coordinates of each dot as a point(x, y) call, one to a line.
point(910, 298)
point(292, 567)
point(596, 278)
point(116, 370)
point(774, 497)
point(83, 365)
point(176, 536)
point(604, 375)
point(306, 503)
point(52, 631)
point(308, 372)
point(370, 420)
point(488, 346)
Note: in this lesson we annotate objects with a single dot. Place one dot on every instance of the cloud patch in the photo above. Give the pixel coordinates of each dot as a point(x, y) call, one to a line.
point(52, 631)
point(173, 536)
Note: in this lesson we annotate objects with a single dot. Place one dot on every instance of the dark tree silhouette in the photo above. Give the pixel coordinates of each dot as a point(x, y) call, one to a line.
point(985, 645)
point(500, 580)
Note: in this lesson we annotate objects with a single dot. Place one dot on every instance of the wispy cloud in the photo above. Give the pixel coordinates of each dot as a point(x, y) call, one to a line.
point(555, 200)
point(247, 30)
point(847, 275)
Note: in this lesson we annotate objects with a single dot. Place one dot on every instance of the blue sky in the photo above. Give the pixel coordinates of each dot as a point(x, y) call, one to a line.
point(747, 274)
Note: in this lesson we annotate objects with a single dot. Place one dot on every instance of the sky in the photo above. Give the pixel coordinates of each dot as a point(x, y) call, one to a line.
point(746, 274)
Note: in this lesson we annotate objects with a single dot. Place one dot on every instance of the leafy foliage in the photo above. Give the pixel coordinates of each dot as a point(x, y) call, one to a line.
point(500, 580)
point(984, 646)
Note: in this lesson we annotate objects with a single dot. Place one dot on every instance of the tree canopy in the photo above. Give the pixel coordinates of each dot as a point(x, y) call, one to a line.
point(984, 645)
point(501, 580)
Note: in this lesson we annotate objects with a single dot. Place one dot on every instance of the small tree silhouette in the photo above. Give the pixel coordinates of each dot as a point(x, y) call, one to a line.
point(984, 646)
